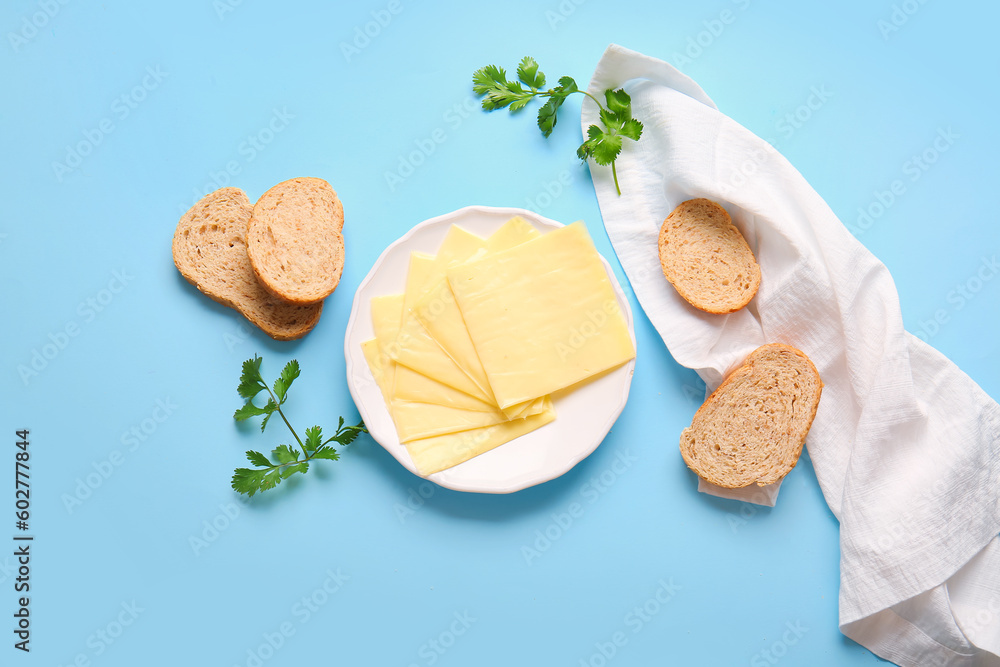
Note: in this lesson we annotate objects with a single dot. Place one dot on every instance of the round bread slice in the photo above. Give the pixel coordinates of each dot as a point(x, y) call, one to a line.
point(210, 252)
point(706, 259)
point(752, 428)
point(295, 240)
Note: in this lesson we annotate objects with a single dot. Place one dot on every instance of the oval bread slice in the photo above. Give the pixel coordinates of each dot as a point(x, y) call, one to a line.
point(210, 251)
point(295, 240)
point(752, 428)
point(706, 259)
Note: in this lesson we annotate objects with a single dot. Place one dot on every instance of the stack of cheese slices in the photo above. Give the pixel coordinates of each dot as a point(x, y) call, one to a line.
point(487, 330)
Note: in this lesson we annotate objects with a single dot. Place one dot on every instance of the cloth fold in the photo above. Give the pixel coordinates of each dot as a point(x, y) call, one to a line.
point(906, 447)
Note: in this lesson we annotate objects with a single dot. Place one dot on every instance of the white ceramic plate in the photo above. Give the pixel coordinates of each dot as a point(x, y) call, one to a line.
point(584, 415)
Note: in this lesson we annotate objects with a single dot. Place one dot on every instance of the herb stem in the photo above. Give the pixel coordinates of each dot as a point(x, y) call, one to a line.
point(284, 419)
point(614, 172)
point(599, 105)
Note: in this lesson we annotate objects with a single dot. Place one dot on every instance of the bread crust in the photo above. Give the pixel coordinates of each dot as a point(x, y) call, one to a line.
point(295, 240)
point(735, 439)
point(706, 258)
point(209, 250)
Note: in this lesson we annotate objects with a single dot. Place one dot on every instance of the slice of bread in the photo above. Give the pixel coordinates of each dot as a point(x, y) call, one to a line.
point(752, 428)
point(295, 240)
point(706, 258)
point(210, 252)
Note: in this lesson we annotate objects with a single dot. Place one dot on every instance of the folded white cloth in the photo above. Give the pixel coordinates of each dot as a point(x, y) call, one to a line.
point(906, 447)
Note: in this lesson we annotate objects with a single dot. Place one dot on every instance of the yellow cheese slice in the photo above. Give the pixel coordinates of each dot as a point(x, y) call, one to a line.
point(377, 363)
point(415, 420)
point(402, 382)
point(410, 385)
point(415, 348)
point(543, 315)
point(514, 232)
point(458, 246)
point(431, 455)
point(440, 316)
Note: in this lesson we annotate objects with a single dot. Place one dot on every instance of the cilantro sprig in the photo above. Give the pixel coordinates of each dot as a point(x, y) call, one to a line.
point(604, 142)
point(285, 460)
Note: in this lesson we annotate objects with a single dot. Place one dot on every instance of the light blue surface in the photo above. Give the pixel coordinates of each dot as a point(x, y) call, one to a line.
point(410, 567)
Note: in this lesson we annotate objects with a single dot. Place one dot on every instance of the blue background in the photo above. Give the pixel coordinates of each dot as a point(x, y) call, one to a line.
point(411, 559)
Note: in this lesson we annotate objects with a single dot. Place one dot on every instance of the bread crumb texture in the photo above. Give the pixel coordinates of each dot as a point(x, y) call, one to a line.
point(752, 428)
point(706, 259)
point(295, 240)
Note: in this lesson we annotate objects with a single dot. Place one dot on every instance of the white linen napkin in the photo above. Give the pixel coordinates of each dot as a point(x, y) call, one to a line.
point(906, 447)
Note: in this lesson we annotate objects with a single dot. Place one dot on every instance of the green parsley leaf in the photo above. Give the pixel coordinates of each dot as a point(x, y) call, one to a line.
point(284, 382)
point(528, 73)
point(328, 453)
point(487, 79)
point(249, 410)
point(632, 129)
point(349, 434)
point(258, 459)
point(288, 471)
point(314, 438)
point(284, 454)
point(251, 383)
point(566, 86)
point(547, 115)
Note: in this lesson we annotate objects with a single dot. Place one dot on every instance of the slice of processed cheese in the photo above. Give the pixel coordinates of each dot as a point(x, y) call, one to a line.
point(415, 348)
point(415, 420)
point(405, 383)
point(377, 363)
point(441, 317)
point(431, 455)
point(543, 315)
point(410, 385)
point(458, 246)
